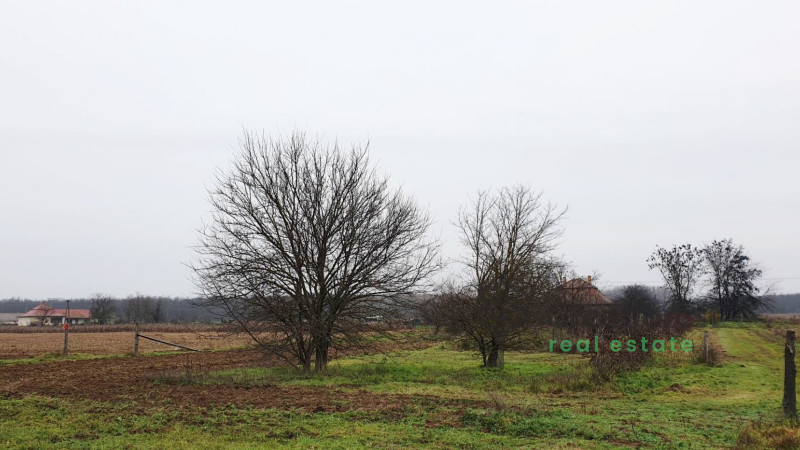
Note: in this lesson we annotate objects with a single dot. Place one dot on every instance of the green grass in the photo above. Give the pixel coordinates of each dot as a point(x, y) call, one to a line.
point(542, 400)
point(435, 370)
point(95, 425)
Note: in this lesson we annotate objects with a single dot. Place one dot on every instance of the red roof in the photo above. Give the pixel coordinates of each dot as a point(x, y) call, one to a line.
point(45, 311)
point(581, 292)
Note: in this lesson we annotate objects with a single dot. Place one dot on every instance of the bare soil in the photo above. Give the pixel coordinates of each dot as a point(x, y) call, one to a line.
point(129, 379)
point(29, 345)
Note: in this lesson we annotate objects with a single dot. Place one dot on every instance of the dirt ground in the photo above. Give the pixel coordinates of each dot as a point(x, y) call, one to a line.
point(125, 378)
point(28, 345)
point(129, 378)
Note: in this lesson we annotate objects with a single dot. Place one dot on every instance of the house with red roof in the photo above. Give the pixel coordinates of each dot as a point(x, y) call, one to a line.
point(582, 292)
point(579, 301)
point(45, 315)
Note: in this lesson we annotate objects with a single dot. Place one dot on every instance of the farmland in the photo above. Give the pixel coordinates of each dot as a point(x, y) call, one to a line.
point(426, 393)
point(37, 344)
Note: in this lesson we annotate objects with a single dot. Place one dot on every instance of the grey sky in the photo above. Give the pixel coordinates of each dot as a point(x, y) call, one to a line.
point(655, 122)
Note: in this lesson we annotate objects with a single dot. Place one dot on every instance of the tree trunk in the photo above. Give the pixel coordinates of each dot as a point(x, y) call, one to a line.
point(493, 356)
point(501, 356)
point(321, 358)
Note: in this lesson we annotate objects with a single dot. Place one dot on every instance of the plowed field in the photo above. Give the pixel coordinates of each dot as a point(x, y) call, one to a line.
point(28, 345)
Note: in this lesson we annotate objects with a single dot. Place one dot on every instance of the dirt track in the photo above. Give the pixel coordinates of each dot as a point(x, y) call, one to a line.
point(128, 379)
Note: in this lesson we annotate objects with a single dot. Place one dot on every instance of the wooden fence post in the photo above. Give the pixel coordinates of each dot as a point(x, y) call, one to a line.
point(136, 341)
point(790, 371)
point(705, 346)
point(66, 338)
point(66, 330)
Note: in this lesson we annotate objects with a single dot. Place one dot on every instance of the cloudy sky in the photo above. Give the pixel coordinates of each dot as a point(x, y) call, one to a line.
point(654, 122)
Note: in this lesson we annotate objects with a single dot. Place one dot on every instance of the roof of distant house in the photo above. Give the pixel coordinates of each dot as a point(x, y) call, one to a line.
point(582, 292)
point(43, 310)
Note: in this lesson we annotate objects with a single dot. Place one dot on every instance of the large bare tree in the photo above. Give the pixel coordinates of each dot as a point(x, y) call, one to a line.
point(510, 271)
point(306, 243)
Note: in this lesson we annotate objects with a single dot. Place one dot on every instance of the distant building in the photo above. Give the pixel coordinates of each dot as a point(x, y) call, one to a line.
point(582, 292)
point(45, 315)
point(578, 302)
point(8, 318)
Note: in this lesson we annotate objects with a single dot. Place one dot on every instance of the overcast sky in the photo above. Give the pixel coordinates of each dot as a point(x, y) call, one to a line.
point(654, 122)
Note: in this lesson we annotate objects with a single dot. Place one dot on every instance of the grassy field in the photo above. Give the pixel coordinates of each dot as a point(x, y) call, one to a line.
point(435, 397)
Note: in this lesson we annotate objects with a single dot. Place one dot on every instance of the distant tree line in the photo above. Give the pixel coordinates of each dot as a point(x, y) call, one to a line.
point(786, 303)
point(138, 307)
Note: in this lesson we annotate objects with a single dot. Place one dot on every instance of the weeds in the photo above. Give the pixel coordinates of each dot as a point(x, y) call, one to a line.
point(782, 434)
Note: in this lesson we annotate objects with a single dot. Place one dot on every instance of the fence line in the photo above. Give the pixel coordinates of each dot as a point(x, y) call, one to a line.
point(138, 335)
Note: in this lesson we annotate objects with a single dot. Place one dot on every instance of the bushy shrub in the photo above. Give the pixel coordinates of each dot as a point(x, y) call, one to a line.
point(607, 363)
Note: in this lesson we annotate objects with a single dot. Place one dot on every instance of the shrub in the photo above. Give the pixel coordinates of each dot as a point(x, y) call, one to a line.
point(777, 434)
point(606, 363)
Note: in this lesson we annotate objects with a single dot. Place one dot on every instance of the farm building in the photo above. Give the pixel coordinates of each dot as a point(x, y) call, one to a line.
point(45, 315)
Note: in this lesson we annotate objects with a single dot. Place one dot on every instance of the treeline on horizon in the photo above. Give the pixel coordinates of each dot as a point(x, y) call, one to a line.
point(785, 303)
point(141, 308)
point(778, 303)
point(156, 309)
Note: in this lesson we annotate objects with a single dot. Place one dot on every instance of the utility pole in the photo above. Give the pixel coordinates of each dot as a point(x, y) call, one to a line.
point(66, 330)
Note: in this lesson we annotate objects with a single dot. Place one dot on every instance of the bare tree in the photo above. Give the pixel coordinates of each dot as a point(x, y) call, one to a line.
point(432, 311)
point(510, 273)
point(681, 267)
point(47, 311)
point(142, 308)
point(733, 280)
point(103, 308)
point(306, 242)
point(637, 301)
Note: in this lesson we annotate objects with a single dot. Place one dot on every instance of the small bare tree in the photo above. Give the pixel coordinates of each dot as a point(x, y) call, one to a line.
point(142, 308)
point(306, 243)
point(733, 279)
point(510, 273)
point(432, 311)
point(103, 308)
point(681, 267)
point(46, 312)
